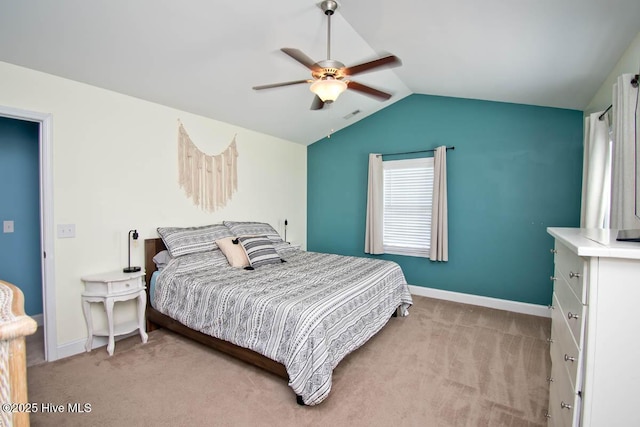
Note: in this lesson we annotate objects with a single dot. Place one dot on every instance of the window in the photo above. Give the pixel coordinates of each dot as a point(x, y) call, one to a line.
point(408, 193)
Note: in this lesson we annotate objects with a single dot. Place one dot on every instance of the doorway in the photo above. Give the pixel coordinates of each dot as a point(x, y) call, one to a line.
point(46, 222)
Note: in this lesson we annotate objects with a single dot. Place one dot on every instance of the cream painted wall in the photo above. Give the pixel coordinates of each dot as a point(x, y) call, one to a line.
point(629, 63)
point(115, 168)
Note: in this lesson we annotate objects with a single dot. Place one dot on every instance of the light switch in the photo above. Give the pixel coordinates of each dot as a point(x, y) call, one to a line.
point(7, 226)
point(66, 231)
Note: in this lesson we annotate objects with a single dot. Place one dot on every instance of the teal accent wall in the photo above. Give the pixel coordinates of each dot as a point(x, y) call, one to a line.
point(20, 201)
point(516, 170)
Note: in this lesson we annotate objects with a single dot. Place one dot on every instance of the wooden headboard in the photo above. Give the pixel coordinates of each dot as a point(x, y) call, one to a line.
point(151, 248)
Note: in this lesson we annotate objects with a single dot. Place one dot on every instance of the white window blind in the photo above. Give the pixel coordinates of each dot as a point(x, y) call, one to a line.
point(408, 195)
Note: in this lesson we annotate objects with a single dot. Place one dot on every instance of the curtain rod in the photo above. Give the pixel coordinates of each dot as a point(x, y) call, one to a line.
point(634, 83)
point(413, 152)
point(601, 116)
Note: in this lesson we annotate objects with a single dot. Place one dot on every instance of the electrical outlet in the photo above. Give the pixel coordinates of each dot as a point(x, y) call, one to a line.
point(66, 231)
point(7, 226)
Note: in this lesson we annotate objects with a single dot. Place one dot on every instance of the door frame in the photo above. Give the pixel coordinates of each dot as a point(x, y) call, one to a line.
point(45, 149)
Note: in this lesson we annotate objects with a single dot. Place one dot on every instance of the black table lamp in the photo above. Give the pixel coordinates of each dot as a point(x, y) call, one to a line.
point(130, 269)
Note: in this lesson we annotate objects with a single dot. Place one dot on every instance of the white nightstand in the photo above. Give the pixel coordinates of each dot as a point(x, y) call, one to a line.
point(109, 288)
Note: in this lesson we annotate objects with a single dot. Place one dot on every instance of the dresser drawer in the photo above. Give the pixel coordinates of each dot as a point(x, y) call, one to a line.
point(571, 307)
point(572, 268)
point(564, 402)
point(114, 287)
point(126, 285)
point(564, 350)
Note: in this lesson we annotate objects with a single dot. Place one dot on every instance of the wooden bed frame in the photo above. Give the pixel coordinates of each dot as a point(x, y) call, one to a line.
point(156, 320)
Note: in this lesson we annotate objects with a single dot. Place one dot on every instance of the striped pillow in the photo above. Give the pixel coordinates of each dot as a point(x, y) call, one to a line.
point(251, 228)
point(260, 250)
point(190, 240)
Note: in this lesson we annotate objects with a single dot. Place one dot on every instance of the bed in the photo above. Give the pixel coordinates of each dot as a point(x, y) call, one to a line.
point(297, 318)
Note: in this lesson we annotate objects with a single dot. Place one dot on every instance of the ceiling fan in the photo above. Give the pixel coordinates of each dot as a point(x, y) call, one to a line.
point(331, 77)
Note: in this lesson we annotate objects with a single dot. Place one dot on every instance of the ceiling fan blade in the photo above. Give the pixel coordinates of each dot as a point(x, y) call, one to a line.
point(387, 61)
point(296, 82)
point(299, 56)
point(317, 103)
point(368, 90)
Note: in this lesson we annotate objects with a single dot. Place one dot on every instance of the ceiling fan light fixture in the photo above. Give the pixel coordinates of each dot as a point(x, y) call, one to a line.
point(328, 75)
point(328, 89)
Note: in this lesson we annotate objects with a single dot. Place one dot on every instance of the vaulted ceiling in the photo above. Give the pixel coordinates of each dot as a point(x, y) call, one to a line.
point(205, 56)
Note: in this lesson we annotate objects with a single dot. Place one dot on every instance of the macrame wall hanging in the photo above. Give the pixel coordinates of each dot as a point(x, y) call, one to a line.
point(209, 181)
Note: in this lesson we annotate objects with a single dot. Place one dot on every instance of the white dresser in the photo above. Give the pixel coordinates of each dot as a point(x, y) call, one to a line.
point(595, 330)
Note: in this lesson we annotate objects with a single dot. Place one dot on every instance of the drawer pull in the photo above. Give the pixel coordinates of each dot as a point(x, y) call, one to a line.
point(547, 414)
point(568, 358)
point(572, 316)
point(553, 251)
point(565, 406)
point(572, 275)
point(552, 278)
point(549, 379)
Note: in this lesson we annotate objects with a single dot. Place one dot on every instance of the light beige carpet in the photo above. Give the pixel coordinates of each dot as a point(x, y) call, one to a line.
point(447, 364)
point(35, 347)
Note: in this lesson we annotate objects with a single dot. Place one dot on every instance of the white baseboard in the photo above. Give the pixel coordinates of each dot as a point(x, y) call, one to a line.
point(77, 347)
point(500, 304)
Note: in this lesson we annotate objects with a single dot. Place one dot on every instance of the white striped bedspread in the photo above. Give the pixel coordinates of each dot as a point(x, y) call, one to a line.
point(307, 313)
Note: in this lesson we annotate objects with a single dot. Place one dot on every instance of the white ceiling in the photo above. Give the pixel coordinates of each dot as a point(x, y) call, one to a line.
point(205, 56)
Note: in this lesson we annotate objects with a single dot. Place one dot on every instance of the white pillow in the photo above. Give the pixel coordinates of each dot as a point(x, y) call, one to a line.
point(234, 252)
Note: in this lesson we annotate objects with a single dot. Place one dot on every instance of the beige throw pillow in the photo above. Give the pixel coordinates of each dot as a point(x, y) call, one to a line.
point(235, 253)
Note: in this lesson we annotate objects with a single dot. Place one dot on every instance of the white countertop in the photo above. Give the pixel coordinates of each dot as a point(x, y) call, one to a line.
point(596, 242)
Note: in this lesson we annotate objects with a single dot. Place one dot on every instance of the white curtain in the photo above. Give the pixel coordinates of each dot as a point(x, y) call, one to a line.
point(623, 191)
point(373, 237)
point(596, 172)
point(439, 250)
